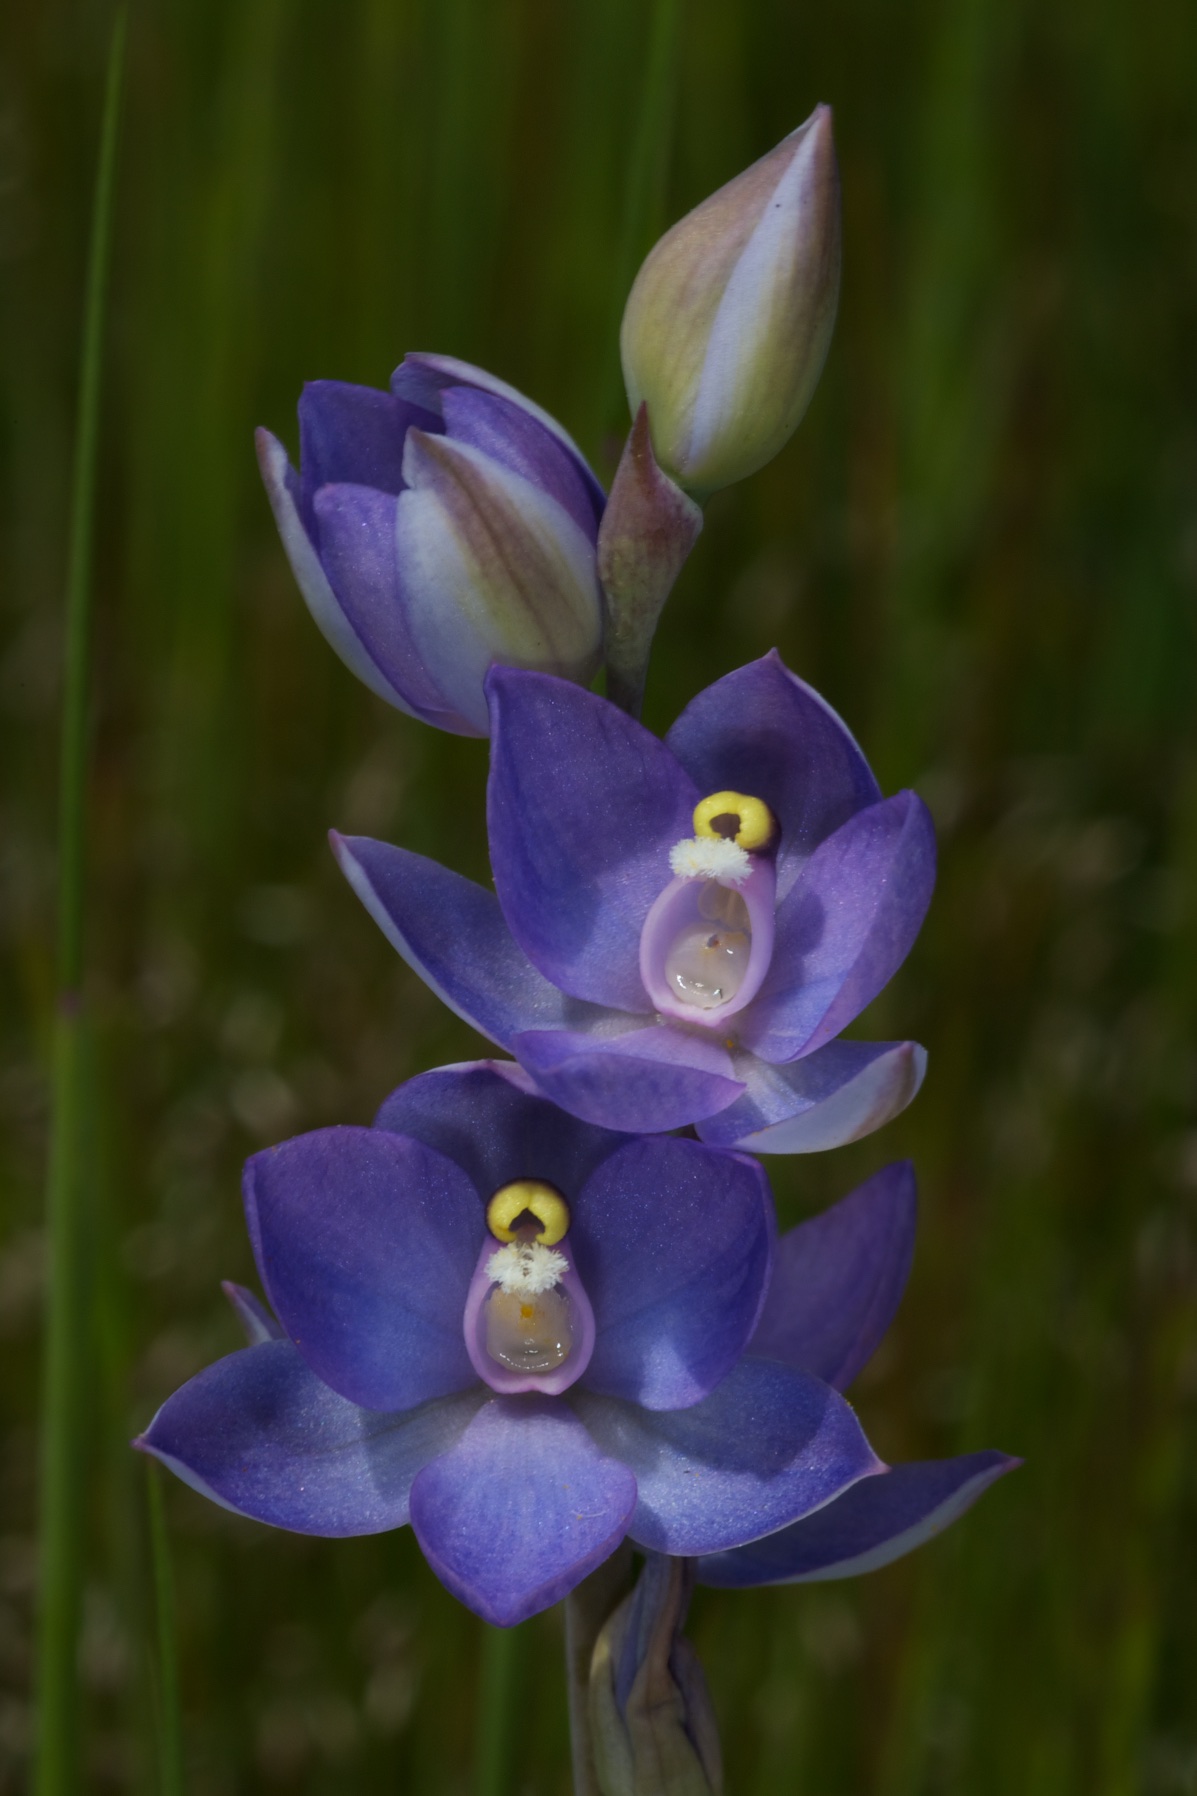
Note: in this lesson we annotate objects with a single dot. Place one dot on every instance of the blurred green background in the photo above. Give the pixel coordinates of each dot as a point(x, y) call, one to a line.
point(982, 546)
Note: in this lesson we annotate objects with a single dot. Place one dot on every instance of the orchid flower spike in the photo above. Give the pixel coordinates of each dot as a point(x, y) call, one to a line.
point(436, 529)
point(728, 322)
point(649, 1362)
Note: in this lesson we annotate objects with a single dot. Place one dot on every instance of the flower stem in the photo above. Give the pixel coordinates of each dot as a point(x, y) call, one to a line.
point(166, 1669)
point(586, 1609)
point(66, 1355)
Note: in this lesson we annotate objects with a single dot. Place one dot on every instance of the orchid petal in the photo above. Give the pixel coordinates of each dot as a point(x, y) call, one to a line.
point(353, 434)
point(359, 555)
point(425, 379)
point(489, 1117)
point(282, 489)
point(845, 927)
point(508, 433)
point(452, 933)
point(366, 1243)
point(871, 1525)
point(838, 1278)
point(642, 1081)
point(254, 1317)
point(762, 730)
point(583, 807)
point(493, 569)
point(520, 1509)
point(672, 1242)
point(260, 1434)
point(838, 1094)
point(768, 1446)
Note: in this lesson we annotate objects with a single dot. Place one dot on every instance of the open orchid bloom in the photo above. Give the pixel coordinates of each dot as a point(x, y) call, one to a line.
point(529, 1337)
point(682, 929)
point(437, 528)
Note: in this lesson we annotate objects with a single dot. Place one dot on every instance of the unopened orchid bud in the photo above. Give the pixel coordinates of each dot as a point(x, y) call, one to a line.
point(728, 322)
point(438, 529)
point(652, 1726)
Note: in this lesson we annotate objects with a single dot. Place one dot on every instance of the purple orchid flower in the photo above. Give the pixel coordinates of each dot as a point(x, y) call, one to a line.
point(437, 528)
point(682, 928)
point(633, 1359)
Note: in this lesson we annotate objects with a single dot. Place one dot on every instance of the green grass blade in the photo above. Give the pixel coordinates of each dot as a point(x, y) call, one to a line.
point(66, 1346)
point(166, 1673)
point(497, 1711)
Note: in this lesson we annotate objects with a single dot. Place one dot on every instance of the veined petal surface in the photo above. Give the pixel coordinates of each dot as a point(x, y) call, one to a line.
point(871, 1525)
point(767, 1446)
point(366, 1243)
point(845, 927)
point(763, 731)
point(520, 1509)
point(642, 1081)
point(489, 1117)
point(838, 1094)
point(838, 1278)
point(260, 1434)
point(672, 1241)
point(583, 806)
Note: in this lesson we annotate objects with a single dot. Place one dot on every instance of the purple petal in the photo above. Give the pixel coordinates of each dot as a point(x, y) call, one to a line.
point(254, 1317)
point(489, 1117)
point(583, 806)
point(424, 380)
point(837, 1279)
point(358, 553)
point(517, 1513)
point(282, 489)
point(673, 1242)
point(870, 1525)
point(260, 1434)
point(838, 1094)
point(353, 434)
point(504, 1379)
point(452, 933)
point(510, 434)
point(845, 927)
point(366, 1243)
point(763, 731)
point(493, 570)
point(642, 1081)
point(767, 1446)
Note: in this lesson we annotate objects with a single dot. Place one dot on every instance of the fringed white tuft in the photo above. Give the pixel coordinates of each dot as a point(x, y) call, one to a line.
point(710, 857)
point(526, 1268)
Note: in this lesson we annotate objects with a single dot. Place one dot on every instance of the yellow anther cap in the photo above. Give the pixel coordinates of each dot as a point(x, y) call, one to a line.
point(748, 822)
point(528, 1195)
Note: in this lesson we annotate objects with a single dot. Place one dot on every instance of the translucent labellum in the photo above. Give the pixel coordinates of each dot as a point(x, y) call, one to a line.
point(528, 1322)
point(708, 940)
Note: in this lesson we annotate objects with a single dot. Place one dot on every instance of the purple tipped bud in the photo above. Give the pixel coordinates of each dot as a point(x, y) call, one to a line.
point(728, 322)
point(437, 530)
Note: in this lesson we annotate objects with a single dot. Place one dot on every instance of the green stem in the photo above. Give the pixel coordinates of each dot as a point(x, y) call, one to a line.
point(166, 1680)
point(66, 1345)
point(501, 1652)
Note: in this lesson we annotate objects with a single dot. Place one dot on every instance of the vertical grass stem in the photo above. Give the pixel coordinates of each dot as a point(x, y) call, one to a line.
point(66, 1343)
point(166, 1669)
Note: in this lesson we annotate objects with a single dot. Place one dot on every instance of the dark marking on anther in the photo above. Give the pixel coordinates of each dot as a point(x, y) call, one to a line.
point(727, 825)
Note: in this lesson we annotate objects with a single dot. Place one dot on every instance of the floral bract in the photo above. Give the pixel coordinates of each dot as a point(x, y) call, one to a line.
point(693, 1408)
point(437, 528)
point(682, 929)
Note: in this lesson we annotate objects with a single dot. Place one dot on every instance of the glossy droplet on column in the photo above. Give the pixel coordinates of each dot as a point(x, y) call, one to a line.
point(707, 960)
point(529, 1333)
